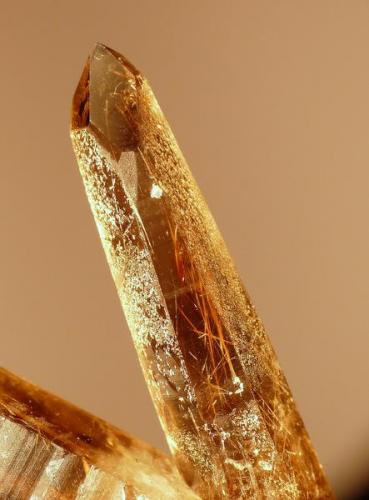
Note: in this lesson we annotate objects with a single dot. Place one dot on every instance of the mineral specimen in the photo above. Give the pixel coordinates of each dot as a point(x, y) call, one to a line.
point(51, 450)
point(220, 394)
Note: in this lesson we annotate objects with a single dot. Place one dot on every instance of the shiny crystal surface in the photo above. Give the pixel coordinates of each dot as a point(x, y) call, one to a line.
point(52, 450)
point(222, 399)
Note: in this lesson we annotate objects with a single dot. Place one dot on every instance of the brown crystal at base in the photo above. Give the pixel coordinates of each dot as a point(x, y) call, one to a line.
point(220, 394)
point(52, 450)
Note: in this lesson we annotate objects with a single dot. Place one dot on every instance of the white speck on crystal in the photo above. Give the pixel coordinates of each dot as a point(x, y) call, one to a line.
point(237, 465)
point(239, 385)
point(156, 191)
point(265, 465)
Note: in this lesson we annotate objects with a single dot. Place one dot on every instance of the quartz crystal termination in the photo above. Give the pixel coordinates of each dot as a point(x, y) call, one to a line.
point(220, 394)
point(52, 450)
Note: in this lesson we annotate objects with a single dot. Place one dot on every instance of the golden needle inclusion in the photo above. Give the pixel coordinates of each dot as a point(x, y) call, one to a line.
point(222, 399)
point(51, 450)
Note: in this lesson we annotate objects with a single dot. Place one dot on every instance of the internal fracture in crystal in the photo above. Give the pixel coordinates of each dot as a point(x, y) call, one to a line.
point(220, 394)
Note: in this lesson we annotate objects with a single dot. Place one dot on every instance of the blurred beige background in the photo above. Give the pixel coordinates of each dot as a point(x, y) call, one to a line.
point(270, 102)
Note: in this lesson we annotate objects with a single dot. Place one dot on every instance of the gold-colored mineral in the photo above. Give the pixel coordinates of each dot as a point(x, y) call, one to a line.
point(222, 399)
point(51, 450)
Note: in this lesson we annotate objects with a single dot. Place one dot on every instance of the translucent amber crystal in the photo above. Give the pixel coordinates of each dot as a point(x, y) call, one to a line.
point(222, 399)
point(51, 450)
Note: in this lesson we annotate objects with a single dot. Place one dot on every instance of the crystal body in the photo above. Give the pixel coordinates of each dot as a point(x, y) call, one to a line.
point(222, 399)
point(52, 450)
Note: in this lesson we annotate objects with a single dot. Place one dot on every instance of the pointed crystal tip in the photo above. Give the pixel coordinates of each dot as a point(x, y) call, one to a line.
point(105, 98)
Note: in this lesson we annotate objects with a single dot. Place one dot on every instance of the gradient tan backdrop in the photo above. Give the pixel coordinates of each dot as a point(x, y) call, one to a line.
point(269, 101)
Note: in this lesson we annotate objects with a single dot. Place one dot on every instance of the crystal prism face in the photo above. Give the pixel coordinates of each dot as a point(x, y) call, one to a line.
point(222, 399)
point(51, 450)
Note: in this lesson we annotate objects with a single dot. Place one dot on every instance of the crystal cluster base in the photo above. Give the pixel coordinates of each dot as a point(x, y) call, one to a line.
point(51, 450)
